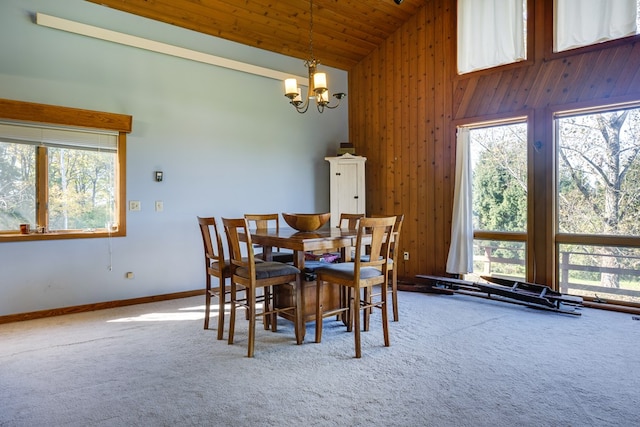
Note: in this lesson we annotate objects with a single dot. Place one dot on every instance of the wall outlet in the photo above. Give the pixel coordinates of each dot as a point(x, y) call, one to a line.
point(159, 206)
point(129, 275)
point(134, 205)
point(406, 256)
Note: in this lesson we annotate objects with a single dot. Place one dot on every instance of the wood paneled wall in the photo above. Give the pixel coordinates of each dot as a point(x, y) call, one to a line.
point(405, 101)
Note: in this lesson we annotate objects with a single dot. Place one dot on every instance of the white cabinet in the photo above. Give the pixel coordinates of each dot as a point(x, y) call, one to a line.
point(347, 190)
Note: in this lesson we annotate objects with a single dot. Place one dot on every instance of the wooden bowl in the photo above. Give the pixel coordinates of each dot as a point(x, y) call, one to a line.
point(306, 222)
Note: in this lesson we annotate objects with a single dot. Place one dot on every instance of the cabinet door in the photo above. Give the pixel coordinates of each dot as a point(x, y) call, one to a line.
point(347, 185)
point(348, 188)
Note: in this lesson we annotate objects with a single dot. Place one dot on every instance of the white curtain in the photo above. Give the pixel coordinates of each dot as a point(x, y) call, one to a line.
point(490, 33)
point(585, 22)
point(460, 259)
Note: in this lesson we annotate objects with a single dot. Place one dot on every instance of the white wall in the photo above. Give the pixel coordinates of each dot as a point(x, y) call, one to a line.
point(228, 143)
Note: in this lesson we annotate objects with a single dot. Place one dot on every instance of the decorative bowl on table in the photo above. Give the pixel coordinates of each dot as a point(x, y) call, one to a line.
point(306, 222)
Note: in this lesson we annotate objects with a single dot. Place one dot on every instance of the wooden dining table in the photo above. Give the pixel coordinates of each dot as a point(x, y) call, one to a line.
point(326, 239)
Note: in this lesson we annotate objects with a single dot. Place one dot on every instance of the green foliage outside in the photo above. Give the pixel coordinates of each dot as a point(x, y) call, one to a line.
point(598, 190)
point(500, 178)
point(81, 187)
point(17, 185)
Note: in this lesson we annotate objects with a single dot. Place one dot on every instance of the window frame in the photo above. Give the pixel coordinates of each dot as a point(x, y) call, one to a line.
point(79, 118)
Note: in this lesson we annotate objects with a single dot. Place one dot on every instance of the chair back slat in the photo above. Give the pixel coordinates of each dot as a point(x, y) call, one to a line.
point(240, 250)
point(209, 229)
point(397, 229)
point(263, 221)
point(379, 233)
point(349, 221)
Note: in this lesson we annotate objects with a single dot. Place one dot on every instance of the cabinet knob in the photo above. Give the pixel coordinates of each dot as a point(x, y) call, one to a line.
point(355, 197)
point(337, 173)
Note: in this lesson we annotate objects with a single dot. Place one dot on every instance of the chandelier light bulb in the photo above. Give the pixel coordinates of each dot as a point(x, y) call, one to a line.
point(320, 81)
point(290, 87)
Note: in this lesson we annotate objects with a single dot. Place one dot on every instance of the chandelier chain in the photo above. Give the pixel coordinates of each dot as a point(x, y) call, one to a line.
point(311, 28)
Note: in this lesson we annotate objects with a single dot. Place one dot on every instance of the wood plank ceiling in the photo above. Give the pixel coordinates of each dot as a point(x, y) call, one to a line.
point(344, 31)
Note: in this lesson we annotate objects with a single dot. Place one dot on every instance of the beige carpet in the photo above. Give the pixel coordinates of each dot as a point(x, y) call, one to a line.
point(453, 361)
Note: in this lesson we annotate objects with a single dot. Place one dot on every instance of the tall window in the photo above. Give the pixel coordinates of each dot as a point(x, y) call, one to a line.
point(490, 33)
point(63, 181)
point(598, 202)
point(499, 164)
point(586, 22)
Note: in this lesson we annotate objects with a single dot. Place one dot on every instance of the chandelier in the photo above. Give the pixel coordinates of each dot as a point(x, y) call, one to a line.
point(317, 82)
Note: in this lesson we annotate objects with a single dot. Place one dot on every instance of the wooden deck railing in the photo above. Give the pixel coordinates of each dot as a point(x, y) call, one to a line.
point(488, 260)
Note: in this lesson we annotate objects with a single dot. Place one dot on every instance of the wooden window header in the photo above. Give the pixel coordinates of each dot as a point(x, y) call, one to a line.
point(42, 113)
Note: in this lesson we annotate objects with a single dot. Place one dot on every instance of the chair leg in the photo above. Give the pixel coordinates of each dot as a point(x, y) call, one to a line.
point(350, 313)
point(343, 303)
point(207, 302)
point(252, 320)
point(222, 297)
point(319, 310)
point(273, 318)
point(394, 293)
point(385, 316)
point(355, 309)
point(299, 322)
point(232, 314)
point(266, 320)
point(366, 313)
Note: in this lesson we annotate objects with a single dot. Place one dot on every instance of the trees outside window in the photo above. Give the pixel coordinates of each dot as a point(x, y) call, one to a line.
point(499, 162)
point(598, 199)
point(17, 185)
point(81, 189)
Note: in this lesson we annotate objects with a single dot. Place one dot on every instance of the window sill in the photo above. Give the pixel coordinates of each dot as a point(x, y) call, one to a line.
point(59, 235)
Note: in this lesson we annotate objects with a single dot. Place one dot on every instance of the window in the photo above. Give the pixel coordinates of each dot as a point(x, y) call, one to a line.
point(490, 200)
point(490, 33)
point(499, 163)
point(63, 181)
point(598, 202)
point(586, 22)
point(499, 167)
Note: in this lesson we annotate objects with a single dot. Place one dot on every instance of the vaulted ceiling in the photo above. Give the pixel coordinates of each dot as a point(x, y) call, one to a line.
point(344, 31)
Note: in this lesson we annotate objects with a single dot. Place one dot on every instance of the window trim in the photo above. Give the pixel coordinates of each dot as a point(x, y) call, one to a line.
point(79, 118)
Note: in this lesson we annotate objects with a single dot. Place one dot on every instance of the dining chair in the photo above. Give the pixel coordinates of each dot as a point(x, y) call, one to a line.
point(360, 275)
point(394, 251)
point(349, 221)
point(254, 275)
point(215, 266)
point(263, 222)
